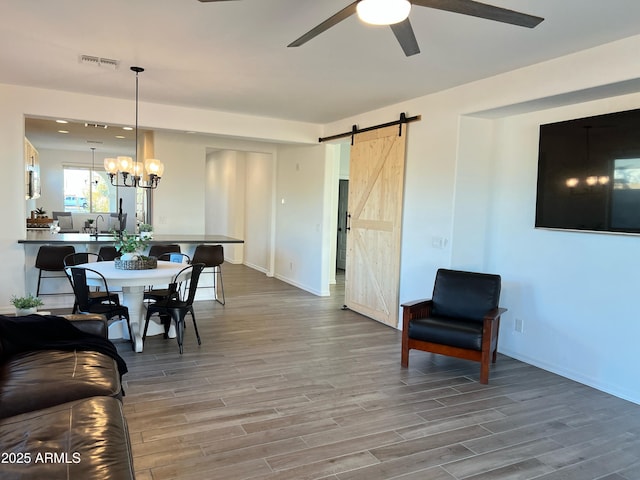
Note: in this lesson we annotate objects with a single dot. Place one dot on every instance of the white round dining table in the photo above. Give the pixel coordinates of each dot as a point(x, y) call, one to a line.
point(133, 283)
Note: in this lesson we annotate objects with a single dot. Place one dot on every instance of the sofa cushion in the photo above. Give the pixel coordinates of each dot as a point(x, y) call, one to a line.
point(34, 380)
point(80, 440)
point(50, 332)
point(94, 324)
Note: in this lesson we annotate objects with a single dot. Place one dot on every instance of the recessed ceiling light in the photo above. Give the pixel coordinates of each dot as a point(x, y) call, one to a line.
point(61, 121)
point(120, 136)
point(63, 131)
point(127, 128)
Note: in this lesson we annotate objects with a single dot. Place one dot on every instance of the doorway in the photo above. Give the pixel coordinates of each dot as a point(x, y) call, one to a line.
point(343, 206)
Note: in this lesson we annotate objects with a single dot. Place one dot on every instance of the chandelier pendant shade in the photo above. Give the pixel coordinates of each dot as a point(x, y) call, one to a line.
point(130, 169)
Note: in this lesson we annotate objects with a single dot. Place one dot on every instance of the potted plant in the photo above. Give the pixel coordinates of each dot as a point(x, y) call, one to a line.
point(146, 230)
point(26, 305)
point(129, 245)
point(40, 212)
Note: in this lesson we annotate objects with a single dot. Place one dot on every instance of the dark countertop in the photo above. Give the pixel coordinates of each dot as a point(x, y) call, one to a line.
point(45, 237)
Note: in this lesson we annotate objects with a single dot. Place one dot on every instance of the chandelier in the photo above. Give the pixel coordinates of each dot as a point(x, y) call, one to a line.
point(130, 169)
point(590, 181)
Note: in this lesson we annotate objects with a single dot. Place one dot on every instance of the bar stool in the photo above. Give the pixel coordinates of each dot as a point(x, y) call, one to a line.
point(162, 248)
point(107, 253)
point(213, 257)
point(50, 258)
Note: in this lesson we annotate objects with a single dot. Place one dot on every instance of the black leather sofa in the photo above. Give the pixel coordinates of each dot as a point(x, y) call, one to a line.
point(61, 413)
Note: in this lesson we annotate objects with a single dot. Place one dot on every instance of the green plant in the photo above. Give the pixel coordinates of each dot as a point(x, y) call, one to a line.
point(90, 221)
point(129, 242)
point(145, 227)
point(26, 302)
point(40, 211)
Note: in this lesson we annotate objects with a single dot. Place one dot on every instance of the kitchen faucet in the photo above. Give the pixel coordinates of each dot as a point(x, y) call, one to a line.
point(97, 229)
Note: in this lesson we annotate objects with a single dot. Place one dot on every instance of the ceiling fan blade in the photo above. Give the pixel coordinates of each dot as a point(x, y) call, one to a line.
point(407, 39)
point(343, 14)
point(482, 10)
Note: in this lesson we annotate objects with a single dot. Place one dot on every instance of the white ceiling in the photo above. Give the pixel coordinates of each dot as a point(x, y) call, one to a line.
point(232, 56)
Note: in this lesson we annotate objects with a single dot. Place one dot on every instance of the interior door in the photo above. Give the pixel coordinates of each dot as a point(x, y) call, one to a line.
point(376, 185)
point(341, 250)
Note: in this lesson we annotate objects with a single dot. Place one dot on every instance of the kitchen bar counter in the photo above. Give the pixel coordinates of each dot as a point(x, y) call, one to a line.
point(46, 238)
point(83, 242)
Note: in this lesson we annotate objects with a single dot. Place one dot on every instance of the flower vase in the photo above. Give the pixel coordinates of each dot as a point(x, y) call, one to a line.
point(21, 312)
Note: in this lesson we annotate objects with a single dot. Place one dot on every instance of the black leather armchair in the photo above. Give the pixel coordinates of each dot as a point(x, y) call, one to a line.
point(461, 320)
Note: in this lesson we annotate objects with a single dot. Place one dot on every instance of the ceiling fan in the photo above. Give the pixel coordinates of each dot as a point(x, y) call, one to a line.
point(395, 13)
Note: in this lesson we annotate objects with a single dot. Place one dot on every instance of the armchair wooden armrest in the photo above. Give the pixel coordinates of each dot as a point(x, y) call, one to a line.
point(415, 309)
point(410, 310)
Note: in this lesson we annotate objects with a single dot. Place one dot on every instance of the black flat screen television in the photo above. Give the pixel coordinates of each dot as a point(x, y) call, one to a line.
point(589, 174)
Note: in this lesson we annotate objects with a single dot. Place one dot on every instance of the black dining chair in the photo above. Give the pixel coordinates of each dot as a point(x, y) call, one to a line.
point(176, 307)
point(157, 294)
point(213, 257)
point(83, 299)
point(95, 296)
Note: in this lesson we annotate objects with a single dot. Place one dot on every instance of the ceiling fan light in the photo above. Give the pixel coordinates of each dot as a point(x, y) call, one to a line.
point(383, 12)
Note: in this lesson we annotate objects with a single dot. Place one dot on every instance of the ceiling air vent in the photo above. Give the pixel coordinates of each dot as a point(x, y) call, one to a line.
point(95, 125)
point(99, 61)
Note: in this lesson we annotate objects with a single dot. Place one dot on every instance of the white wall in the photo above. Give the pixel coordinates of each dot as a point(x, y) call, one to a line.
point(259, 201)
point(225, 198)
point(574, 292)
point(303, 203)
point(178, 203)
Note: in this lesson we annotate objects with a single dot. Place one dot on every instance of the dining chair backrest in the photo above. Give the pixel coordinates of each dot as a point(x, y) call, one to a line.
point(193, 281)
point(81, 288)
point(81, 257)
point(192, 272)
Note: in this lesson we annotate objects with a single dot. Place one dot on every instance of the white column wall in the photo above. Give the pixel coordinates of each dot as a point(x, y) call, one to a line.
point(258, 216)
point(302, 198)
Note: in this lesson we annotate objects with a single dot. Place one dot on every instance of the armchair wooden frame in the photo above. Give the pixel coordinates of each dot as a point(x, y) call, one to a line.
point(490, 330)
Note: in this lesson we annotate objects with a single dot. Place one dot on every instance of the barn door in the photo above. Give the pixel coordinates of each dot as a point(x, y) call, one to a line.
point(376, 183)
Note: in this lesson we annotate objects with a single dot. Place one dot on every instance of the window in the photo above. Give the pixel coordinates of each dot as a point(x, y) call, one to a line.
point(86, 191)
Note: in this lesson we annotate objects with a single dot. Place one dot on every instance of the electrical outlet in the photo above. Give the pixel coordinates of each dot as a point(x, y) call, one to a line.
point(519, 325)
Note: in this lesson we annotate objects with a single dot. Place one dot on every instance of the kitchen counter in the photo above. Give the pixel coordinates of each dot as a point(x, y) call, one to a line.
point(45, 237)
point(83, 242)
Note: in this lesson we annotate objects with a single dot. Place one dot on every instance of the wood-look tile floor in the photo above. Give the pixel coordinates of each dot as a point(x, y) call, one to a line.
point(287, 385)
